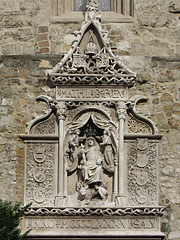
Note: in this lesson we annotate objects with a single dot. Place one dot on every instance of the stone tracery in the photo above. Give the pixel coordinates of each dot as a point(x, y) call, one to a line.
point(94, 148)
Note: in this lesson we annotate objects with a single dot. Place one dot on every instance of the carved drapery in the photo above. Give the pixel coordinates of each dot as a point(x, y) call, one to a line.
point(45, 127)
point(103, 157)
point(98, 118)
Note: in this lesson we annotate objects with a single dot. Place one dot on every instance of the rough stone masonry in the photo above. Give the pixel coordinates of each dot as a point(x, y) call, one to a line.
point(31, 41)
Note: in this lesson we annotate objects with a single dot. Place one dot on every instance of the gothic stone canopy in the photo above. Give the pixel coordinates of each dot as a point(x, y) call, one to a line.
point(91, 160)
point(90, 60)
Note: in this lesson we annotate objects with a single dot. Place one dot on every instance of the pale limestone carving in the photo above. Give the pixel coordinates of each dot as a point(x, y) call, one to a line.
point(135, 126)
point(93, 152)
point(78, 156)
point(60, 110)
point(127, 211)
point(81, 224)
point(40, 181)
point(142, 174)
point(121, 110)
point(91, 54)
point(136, 113)
point(142, 144)
point(91, 174)
point(109, 149)
point(46, 127)
point(71, 154)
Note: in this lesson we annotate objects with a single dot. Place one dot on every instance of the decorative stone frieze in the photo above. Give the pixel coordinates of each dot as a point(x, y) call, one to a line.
point(93, 153)
point(126, 211)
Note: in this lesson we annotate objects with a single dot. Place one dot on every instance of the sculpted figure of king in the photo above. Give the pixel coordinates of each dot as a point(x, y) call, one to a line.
point(92, 172)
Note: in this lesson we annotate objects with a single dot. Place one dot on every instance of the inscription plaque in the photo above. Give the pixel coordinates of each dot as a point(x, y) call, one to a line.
point(83, 93)
point(91, 158)
point(69, 224)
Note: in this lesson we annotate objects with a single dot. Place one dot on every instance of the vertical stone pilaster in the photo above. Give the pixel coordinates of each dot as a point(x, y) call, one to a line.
point(61, 115)
point(121, 111)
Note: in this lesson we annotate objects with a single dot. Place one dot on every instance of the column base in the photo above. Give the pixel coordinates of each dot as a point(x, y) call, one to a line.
point(120, 200)
point(60, 200)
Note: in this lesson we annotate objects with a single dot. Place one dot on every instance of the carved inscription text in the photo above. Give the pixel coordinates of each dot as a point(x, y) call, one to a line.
point(115, 224)
point(91, 93)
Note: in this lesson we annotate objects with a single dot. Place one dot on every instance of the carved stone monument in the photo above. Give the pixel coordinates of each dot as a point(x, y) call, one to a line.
point(91, 162)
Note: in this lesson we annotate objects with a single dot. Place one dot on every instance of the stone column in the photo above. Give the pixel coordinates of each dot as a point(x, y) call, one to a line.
point(121, 110)
point(61, 114)
point(115, 182)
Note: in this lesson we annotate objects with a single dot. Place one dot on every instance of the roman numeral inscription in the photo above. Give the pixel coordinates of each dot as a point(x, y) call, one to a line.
point(88, 224)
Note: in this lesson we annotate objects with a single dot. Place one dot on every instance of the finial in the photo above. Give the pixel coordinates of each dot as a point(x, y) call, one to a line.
point(91, 5)
point(92, 12)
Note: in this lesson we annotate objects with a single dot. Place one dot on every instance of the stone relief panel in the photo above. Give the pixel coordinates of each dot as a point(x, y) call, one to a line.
point(99, 169)
point(139, 127)
point(40, 174)
point(142, 172)
point(46, 127)
point(75, 107)
point(90, 153)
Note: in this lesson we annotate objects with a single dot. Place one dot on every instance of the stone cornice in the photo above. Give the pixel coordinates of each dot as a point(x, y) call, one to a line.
point(125, 211)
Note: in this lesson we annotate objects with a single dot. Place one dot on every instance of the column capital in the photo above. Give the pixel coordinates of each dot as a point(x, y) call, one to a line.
point(121, 110)
point(61, 109)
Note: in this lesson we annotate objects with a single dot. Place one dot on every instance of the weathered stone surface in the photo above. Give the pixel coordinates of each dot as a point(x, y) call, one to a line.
point(149, 46)
point(174, 235)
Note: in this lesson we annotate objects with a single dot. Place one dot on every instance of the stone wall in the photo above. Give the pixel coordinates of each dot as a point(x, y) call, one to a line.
point(30, 43)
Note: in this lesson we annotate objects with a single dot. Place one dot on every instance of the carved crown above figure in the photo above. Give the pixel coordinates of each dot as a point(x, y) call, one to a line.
point(93, 153)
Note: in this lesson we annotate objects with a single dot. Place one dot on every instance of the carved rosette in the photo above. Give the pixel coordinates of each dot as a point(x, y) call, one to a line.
point(40, 172)
point(142, 172)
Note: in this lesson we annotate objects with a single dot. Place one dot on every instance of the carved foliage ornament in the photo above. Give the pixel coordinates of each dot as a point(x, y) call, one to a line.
point(45, 127)
point(130, 211)
point(40, 183)
point(91, 55)
point(102, 66)
point(135, 126)
point(142, 172)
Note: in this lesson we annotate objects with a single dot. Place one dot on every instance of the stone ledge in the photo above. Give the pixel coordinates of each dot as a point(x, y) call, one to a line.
point(30, 138)
point(167, 59)
point(33, 57)
point(114, 211)
point(134, 136)
point(78, 18)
